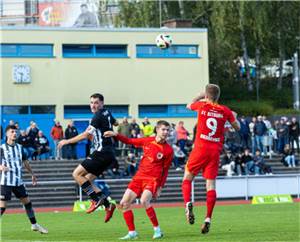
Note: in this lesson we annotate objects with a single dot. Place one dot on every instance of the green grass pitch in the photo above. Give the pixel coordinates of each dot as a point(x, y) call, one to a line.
point(230, 223)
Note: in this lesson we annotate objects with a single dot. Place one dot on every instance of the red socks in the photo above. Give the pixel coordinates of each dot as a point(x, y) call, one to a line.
point(186, 190)
point(152, 216)
point(211, 197)
point(129, 219)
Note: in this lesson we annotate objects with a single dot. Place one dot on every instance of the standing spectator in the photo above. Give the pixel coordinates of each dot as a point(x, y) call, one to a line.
point(42, 146)
point(267, 122)
point(244, 132)
point(134, 125)
point(268, 138)
point(282, 134)
point(147, 128)
point(260, 130)
point(275, 137)
point(124, 129)
point(172, 138)
point(182, 136)
point(252, 134)
point(288, 156)
point(294, 134)
point(133, 149)
point(26, 143)
point(271, 140)
point(71, 132)
point(57, 134)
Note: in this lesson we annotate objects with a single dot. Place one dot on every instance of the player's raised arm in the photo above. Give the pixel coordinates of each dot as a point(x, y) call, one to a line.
point(130, 141)
point(195, 99)
point(76, 139)
point(235, 124)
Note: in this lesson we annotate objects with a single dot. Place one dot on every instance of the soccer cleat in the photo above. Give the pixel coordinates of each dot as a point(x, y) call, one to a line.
point(189, 213)
point(109, 212)
point(205, 227)
point(39, 228)
point(130, 236)
point(94, 206)
point(157, 234)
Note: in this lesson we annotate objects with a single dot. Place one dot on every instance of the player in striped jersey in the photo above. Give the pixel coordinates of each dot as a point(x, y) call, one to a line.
point(100, 159)
point(12, 157)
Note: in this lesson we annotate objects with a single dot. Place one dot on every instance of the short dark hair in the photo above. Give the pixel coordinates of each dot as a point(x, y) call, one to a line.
point(213, 92)
point(162, 122)
point(10, 127)
point(98, 95)
point(83, 5)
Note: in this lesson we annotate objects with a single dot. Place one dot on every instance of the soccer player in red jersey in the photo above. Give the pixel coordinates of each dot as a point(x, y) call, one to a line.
point(150, 177)
point(207, 148)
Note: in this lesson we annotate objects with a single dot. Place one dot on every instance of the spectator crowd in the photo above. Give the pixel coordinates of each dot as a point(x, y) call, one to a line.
point(244, 152)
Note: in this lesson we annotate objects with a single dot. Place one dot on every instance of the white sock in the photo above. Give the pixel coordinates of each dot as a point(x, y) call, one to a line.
point(132, 232)
point(207, 220)
point(156, 228)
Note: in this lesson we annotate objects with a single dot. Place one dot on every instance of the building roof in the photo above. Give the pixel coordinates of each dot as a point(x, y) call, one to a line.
point(163, 29)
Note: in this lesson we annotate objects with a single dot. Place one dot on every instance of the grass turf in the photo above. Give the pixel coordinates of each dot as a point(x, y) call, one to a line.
point(278, 222)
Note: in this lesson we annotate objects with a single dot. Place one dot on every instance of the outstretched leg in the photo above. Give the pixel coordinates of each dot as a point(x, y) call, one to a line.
point(79, 175)
point(109, 206)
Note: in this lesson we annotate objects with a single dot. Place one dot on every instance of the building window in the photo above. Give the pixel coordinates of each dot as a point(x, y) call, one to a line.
point(118, 111)
point(94, 51)
point(77, 50)
point(15, 110)
point(111, 50)
point(26, 50)
point(160, 111)
point(83, 111)
point(175, 51)
point(42, 109)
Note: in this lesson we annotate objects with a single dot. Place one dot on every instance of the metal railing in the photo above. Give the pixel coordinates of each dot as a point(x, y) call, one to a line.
point(252, 185)
point(247, 181)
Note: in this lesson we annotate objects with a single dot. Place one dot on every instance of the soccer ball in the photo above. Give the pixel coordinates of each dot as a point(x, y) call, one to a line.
point(163, 41)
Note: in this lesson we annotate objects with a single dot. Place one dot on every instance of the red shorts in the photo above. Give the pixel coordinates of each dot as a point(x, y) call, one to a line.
point(206, 160)
point(138, 185)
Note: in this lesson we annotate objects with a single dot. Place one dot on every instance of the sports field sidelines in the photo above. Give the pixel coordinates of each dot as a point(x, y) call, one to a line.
point(230, 223)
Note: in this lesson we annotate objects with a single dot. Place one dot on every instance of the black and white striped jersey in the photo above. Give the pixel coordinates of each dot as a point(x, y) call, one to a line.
point(101, 122)
point(12, 157)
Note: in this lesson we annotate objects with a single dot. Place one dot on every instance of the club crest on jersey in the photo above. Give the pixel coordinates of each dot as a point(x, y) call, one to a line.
point(159, 155)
